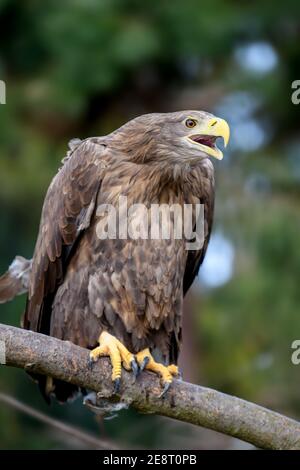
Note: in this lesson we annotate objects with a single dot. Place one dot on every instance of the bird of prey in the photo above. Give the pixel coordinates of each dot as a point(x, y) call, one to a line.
point(120, 297)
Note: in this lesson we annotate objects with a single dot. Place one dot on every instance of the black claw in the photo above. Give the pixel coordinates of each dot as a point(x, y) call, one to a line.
point(117, 385)
point(145, 361)
point(91, 362)
point(165, 389)
point(135, 368)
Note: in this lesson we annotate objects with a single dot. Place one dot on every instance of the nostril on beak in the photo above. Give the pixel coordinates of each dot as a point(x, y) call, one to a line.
point(213, 123)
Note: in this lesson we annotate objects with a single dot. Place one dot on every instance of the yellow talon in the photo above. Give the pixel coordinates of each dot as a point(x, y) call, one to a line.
point(112, 347)
point(145, 361)
point(173, 369)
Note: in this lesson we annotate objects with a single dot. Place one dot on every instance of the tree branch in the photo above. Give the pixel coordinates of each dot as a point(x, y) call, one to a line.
point(186, 402)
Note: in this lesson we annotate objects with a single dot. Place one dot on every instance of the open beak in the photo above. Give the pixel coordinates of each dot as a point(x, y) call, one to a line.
point(206, 133)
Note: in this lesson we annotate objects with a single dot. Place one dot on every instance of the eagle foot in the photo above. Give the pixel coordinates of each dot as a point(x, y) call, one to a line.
point(110, 346)
point(167, 373)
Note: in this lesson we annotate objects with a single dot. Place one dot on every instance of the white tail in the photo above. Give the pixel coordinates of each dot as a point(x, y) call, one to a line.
point(16, 280)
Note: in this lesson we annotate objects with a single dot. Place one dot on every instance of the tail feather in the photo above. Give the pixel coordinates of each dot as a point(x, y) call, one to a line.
point(16, 280)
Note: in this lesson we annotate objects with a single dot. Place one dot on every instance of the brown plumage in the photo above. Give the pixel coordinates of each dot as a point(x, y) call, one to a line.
point(81, 285)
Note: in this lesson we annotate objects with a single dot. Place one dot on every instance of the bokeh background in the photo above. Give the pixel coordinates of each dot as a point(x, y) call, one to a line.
point(83, 67)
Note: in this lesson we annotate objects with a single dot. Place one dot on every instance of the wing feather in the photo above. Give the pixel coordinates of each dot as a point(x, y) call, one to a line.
point(67, 211)
point(204, 190)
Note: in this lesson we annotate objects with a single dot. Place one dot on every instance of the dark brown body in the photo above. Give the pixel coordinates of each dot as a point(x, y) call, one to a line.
point(81, 285)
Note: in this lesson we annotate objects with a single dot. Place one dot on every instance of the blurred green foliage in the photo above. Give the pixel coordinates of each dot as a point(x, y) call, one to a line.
point(79, 68)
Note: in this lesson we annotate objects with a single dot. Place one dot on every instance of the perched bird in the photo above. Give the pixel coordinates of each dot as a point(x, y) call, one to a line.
point(121, 296)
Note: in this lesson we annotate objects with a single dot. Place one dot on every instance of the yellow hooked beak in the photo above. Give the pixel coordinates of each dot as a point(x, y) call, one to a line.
point(205, 134)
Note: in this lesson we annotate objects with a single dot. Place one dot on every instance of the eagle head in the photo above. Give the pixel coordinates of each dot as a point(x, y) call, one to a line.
point(184, 136)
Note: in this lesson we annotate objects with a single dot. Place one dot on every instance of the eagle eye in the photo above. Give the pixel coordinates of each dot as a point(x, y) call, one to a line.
point(190, 123)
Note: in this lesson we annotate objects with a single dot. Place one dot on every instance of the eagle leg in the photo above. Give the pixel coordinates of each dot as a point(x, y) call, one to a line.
point(119, 355)
point(167, 373)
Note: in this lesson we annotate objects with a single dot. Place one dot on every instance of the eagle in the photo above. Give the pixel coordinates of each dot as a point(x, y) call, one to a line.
point(120, 297)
